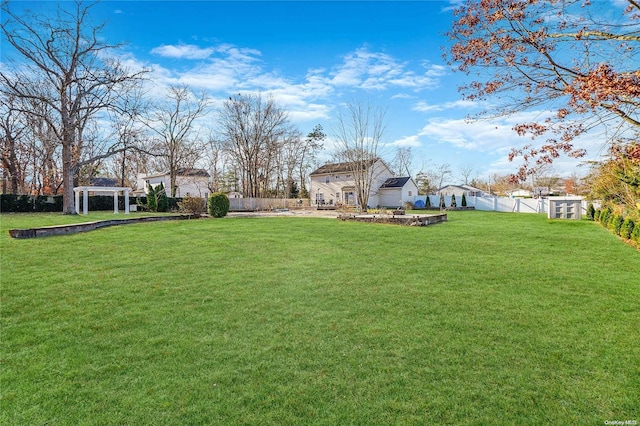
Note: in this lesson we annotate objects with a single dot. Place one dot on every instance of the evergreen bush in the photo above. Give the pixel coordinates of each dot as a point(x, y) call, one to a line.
point(218, 204)
point(615, 223)
point(604, 216)
point(427, 203)
point(627, 228)
point(442, 203)
point(635, 234)
point(590, 211)
point(161, 198)
point(463, 203)
point(152, 203)
point(453, 201)
point(596, 215)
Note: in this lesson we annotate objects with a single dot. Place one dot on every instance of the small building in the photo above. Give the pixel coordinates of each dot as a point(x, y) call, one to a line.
point(189, 182)
point(458, 190)
point(565, 208)
point(520, 192)
point(395, 191)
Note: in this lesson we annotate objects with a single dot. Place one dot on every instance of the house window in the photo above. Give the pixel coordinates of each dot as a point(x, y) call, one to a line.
point(327, 179)
point(410, 193)
point(337, 196)
point(337, 176)
point(348, 176)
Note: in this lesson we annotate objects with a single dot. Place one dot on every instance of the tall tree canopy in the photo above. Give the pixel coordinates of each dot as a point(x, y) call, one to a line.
point(576, 59)
point(64, 70)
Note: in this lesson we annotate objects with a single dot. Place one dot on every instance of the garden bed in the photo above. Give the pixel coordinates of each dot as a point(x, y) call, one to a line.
point(396, 219)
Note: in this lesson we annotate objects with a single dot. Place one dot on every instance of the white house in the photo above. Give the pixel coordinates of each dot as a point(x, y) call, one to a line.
point(334, 184)
point(189, 182)
point(395, 191)
point(458, 190)
point(520, 192)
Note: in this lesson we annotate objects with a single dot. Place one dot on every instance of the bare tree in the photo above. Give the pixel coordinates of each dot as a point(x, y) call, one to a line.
point(12, 129)
point(253, 130)
point(173, 124)
point(402, 162)
point(467, 171)
point(64, 64)
point(359, 132)
point(441, 173)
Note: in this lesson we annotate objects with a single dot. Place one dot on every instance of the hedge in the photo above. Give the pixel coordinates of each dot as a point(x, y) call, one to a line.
point(11, 203)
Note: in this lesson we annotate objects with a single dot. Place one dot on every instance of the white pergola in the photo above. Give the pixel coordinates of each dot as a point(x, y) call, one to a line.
point(114, 189)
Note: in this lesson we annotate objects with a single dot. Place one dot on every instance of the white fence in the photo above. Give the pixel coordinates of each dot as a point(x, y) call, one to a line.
point(499, 204)
point(253, 204)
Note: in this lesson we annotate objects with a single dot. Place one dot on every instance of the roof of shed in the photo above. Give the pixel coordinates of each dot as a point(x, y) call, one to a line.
point(395, 182)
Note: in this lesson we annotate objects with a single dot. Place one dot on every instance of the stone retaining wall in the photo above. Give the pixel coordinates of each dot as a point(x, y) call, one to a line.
point(406, 220)
point(47, 231)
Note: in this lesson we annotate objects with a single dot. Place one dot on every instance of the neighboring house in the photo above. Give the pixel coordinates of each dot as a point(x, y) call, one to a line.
point(334, 184)
point(520, 192)
point(235, 194)
point(395, 191)
point(189, 182)
point(458, 190)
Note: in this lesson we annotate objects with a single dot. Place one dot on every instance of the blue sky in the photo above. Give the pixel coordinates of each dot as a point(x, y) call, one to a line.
point(312, 57)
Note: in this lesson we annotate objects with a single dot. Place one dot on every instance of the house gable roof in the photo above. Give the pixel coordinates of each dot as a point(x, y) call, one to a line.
point(181, 172)
point(333, 168)
point(103, 181)
point(395, 182)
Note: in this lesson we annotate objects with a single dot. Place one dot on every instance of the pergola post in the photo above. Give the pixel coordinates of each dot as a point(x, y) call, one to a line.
point(115, 202)
point(77, 194)
point(126, 201)
point(85, 201)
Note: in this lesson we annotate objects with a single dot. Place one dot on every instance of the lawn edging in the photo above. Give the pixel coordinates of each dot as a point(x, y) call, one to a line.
point(47, 231)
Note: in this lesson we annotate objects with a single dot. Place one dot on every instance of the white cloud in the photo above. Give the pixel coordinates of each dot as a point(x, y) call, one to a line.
point(464, 104)
point(407, 141)
point(379, 71)
point(183, 51)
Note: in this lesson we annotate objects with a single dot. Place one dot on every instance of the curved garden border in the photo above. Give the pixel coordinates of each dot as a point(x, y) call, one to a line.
point(47, 231)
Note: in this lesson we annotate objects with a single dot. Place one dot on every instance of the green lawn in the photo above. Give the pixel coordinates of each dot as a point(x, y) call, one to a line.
point(490, 318)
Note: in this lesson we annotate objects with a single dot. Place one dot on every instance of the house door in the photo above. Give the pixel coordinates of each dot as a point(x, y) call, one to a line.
point(349, 198)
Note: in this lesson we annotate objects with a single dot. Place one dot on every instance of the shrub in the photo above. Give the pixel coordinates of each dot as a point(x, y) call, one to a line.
point(590, 211)
point(193, 205)
point(161, 198)
point(627, 228)
point(408, 205)
point(596, 215)
point(152, 202)
point(604, 216)
point(218, 205)
point(453, 201)
point(427, 203)
point(635, 234)
point(615, 223)
point(442, 204)
point(463, 203)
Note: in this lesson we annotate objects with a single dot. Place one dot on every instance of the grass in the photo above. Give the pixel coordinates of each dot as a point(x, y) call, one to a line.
point(487, 319)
